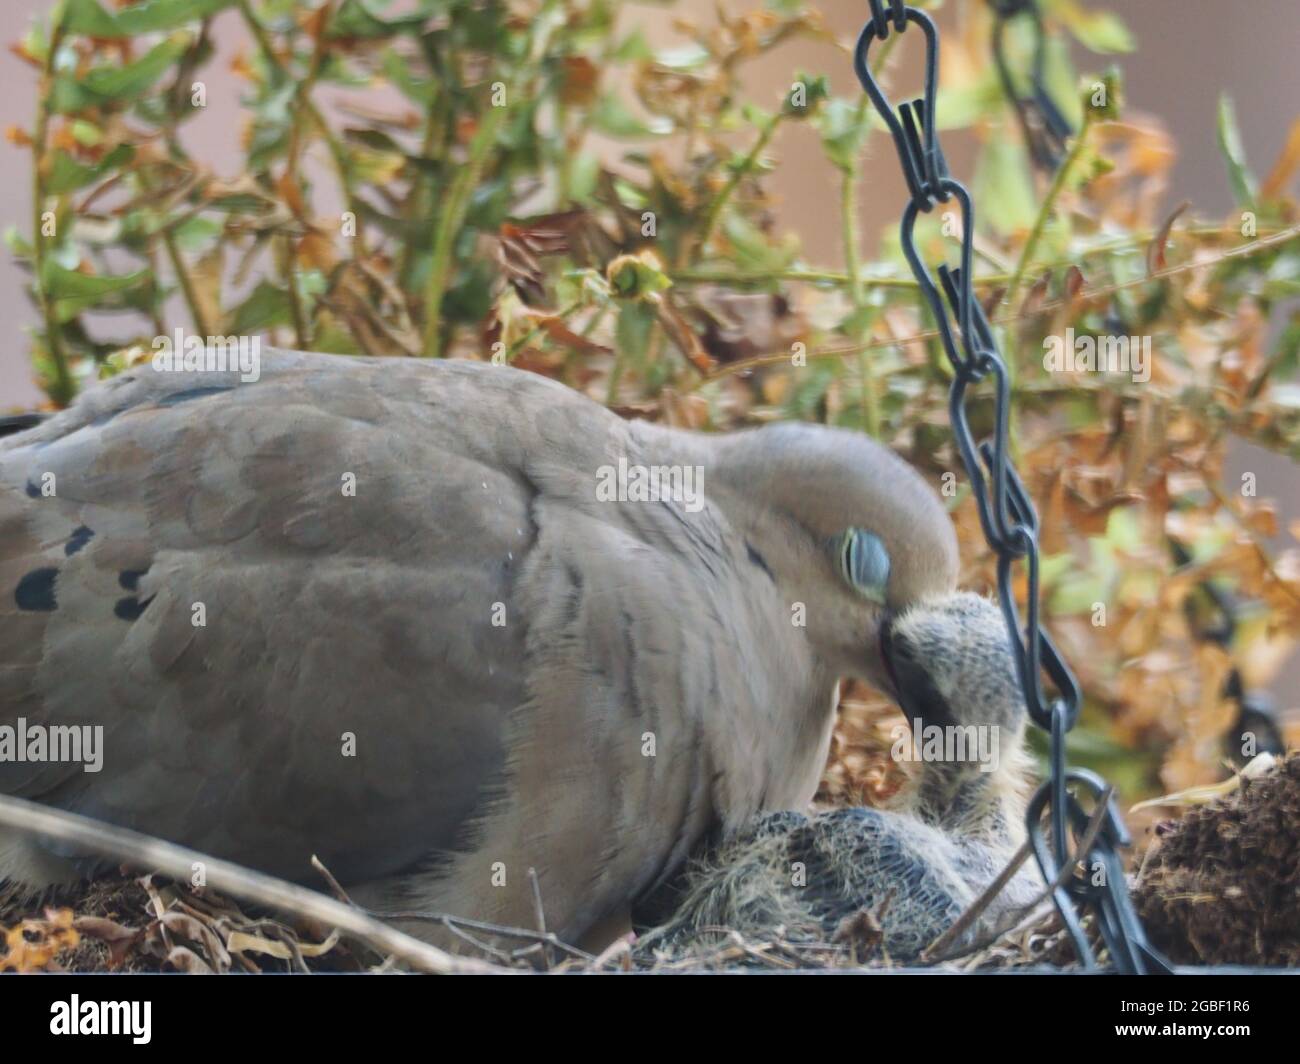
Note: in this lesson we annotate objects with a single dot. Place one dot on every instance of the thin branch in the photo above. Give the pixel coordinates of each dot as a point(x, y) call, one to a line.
point(857, 293)
point(1045, 212)
point(783, 357)
point(339, 155)
point(451, 218)
point(738, 173)
point(981, 903)
point(502, 930)
point(64, 387)
point(540, 911)
point(1021, 912)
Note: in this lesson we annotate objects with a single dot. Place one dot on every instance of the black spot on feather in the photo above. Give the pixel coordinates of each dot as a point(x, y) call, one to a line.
point(35, 591)
point(129, 609)
point(759, 560)
point(130, 578)
point(81, 535)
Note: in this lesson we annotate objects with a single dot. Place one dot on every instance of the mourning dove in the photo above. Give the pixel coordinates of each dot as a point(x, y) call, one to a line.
point(438, 623)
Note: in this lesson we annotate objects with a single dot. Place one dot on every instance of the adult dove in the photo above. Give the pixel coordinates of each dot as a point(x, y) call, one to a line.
point(438, 623)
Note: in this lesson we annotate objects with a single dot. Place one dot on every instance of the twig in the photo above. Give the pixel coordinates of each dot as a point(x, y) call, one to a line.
point(342, 164)
point(739, 172)
point(783, 357)
point(820, 275)
point(1021, 912)
point(550, 938)
point(122, 844)
point(540, 910)
point(334, 885)
point(620, 948)
point(477, 943)
point(979, 904)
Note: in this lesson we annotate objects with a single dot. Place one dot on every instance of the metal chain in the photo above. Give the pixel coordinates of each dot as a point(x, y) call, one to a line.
point(1045, 129)
point(1256, 710)
point(1009, 522)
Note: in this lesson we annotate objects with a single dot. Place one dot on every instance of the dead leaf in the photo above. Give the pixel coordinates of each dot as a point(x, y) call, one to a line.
point(1156, 249)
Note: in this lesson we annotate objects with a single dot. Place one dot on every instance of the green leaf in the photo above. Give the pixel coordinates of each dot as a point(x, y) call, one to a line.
point(1100, 31)
point(753, 250)
point(398, 71)
point(611, 117)
point(1004, 188)
point(266, 306)
point(963, 105)
point(357, 18)
point(1286, 359)
point(147, 16)
point(108, 85)
point(60, 283)
point(632, 332)
point(197, 234)
point(583, 177)
point(1239, 175)
point(67, 175)
point(843, 127)
point(633, 47)
point(1062, 80)
point(805, 96)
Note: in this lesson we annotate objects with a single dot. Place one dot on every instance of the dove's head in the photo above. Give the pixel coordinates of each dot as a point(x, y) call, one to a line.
point(866, 553)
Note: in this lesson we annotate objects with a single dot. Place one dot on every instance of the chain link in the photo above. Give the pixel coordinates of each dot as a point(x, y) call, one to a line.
point(1217, 624)
point(1008, 520)
point(1045, 129)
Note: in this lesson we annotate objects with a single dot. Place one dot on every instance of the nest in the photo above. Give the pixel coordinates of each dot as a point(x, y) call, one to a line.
point(1222, 885)
point(146, 924)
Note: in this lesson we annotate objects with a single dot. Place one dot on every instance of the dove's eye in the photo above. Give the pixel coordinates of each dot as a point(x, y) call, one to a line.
point(864, 562)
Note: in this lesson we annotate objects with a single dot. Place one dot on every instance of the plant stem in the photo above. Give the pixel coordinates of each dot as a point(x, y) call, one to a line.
point(190, 293)
point(817, 276)
point(62, 389)
point(1040, 223)
point(746, 165)
point(450, 221)
point(1254, 247)
point(418, 197)
point(339, 155)
point(857, 293)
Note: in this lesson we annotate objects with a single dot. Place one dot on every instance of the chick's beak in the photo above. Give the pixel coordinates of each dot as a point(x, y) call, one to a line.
point(912, 687)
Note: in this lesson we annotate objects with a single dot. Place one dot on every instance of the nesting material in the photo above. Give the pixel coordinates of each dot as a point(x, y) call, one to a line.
point(1222, 885)
point(148, 924)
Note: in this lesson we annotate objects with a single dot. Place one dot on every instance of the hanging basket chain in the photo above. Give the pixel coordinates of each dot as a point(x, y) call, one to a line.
point(1008, 520)
point(1045, 129)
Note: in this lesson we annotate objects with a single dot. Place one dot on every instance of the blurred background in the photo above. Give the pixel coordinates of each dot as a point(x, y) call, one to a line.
point(1188, 54)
